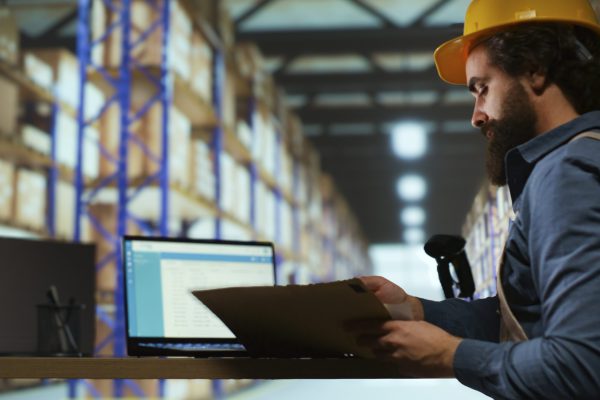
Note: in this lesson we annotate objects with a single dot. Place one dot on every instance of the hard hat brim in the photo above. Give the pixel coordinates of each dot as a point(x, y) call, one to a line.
point(451, 57)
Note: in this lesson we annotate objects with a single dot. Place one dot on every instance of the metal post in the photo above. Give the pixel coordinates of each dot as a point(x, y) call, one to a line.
point(253, 170)
point(217, 141)
point(52, 174)
point(217, 146)
point(124, 99)
point(83, 54)
point(165, 80)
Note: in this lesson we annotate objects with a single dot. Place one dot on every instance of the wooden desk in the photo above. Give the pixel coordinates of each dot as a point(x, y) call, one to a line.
point(188, 368)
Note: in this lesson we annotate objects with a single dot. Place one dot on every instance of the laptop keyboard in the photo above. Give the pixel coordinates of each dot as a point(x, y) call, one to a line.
point(196, 346)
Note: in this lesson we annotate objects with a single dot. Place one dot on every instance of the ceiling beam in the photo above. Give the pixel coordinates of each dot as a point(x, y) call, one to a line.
point(55, 29)
point(385, 20)
point(341, 82)
point(420, 20)
point(347, 115)
point(251, 11)
point(345, 41)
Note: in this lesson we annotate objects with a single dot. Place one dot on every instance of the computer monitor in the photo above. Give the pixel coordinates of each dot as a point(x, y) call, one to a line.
point(29, 268)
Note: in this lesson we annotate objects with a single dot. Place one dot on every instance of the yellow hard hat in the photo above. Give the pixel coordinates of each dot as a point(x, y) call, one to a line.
point(488, 16)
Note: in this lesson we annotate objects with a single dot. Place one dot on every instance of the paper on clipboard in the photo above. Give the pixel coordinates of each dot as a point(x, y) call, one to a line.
point(296, 320)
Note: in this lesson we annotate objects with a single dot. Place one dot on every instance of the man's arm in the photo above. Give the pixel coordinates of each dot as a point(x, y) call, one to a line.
point(478, 319)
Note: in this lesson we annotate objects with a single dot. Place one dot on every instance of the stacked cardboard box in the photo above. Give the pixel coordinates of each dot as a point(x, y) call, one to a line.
point(64, 214)
point(37, 70)
point(36, 139)
point(65, 73)
point(9, 37)
point(244, 134)
point(30, 199)
point(203, 175)
point(235, 188)
point(265, 204)
point(7, 188)
point(149, 51)
point(179, 138)
point(286, 169)
point(10, 107)
point(110, 137)
point(202, 67)
point(66, 152)
point(287, 226)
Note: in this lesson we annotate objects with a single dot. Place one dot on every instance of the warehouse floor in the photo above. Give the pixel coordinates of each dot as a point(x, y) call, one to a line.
point(382, 389)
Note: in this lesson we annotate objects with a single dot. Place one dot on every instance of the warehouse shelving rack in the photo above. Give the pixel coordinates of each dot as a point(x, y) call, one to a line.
point(121, 82)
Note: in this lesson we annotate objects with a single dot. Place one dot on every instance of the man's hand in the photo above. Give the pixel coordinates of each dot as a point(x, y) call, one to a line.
point(391, 294)
point(421, 349)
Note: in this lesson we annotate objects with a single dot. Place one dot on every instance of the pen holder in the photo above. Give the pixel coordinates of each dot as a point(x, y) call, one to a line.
point(59, 329)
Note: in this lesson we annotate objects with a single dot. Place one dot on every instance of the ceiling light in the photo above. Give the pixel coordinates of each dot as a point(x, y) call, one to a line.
point(409, 140)
point(412, 216)
point(411, 187)
point(414, 236)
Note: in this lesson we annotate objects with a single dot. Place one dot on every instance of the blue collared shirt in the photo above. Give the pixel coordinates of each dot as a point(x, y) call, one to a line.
point(551, 277)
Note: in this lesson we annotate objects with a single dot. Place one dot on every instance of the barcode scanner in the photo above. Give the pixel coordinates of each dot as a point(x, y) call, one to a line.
point(450, 250)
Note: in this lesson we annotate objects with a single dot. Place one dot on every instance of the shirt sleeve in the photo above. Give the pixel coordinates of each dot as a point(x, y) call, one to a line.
point(563, 230)
point(478, 319)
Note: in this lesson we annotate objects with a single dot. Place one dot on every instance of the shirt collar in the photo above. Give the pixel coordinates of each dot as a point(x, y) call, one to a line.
point(521, 160)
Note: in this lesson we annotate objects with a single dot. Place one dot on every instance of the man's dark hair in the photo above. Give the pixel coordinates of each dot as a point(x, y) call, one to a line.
point(568, 56)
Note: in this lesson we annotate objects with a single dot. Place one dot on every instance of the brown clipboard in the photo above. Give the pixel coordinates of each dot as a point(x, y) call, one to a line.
point(296, 320)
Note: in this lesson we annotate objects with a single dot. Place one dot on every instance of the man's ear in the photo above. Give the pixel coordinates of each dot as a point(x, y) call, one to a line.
point(538, 81)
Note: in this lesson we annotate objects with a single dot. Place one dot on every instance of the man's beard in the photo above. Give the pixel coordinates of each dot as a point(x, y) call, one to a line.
point(515, 127)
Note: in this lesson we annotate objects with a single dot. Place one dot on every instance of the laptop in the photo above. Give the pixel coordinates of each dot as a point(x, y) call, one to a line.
point(163, 318)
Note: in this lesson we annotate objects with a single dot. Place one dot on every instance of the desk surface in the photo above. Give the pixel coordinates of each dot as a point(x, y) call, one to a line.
point(189, 368)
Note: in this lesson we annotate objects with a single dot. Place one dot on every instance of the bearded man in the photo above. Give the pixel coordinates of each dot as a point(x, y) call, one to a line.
point(533, 67)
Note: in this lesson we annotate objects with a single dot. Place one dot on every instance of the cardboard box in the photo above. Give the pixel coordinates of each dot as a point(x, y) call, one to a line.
point(10, 107)
point(37, 70)
point(203, 173)
point(244, 134)
point(65, 73)
point(229, 100)
point(7, 189)
point(201, 67)
point(110, 136)
point(242, 210)
point(9, 37)
point(66, 149)
point(64, 213)
point(228, 183)
point(287, 225)
point(250, 61)
point(94, 100)
point(36, 139)
point(179, 134)
point(30, 199)
point(98, 27)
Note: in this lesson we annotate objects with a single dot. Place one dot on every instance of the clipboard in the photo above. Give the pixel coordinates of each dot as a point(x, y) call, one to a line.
point(296, 321)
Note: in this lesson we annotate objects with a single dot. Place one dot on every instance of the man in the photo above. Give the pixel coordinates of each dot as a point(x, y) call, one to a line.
point(533, 67)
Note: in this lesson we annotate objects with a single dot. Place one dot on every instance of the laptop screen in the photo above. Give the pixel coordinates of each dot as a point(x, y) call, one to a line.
point(160, 275)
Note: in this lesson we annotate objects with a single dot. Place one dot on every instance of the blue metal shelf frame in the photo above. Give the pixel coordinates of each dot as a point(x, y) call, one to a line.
point(219, 76)
point(52, 173)
point(122, 85)
point(279, 259)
